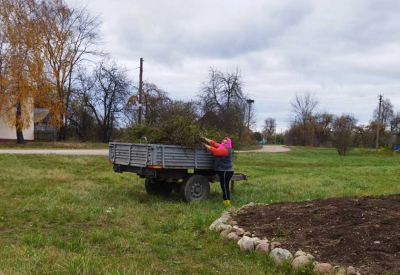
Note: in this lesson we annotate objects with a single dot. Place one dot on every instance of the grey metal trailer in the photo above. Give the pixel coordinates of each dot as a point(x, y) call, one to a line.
point(167, 167)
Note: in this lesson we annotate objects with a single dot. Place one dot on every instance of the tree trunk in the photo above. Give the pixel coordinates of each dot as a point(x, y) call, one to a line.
point(20, 134)
point(62, 130)
point(106, 138)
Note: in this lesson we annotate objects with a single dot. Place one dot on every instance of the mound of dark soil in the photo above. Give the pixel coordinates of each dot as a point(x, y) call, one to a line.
point(360, 231)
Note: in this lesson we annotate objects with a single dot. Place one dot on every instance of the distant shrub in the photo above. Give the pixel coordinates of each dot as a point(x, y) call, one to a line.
point(387, 150)
point(343, 133)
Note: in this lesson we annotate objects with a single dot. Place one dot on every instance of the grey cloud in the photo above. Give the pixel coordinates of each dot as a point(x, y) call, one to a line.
point(216, 29)
point(346, 52)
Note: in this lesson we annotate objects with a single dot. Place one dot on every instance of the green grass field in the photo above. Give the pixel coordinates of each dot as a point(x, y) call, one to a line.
point(74, 215)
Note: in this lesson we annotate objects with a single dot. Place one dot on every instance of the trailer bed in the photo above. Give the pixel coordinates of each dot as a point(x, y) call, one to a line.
point(168, 167)
point(161, 156)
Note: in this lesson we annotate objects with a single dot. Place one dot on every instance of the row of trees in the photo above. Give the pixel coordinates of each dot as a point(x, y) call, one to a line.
point(308, 127)
point(219, 109)
point(45, 48)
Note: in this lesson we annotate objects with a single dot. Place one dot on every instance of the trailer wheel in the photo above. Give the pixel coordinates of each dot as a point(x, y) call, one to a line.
point(154, 187)
point(195, 188)
point(151, 188)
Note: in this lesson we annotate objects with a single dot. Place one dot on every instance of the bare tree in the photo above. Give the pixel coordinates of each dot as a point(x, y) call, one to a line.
point(303, 121)
point(322, 127)
point(221, 89)
point(153, 100)
point(395, 123)
point(69, 35)
point(82, 121)
point(387, 112)
point(269, 128)
point(303, 108)
point(342, 133)
point(105, 94)
point(223, 102)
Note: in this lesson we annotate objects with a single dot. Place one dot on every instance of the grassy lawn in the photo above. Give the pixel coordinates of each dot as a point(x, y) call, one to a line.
point(74, 215)
point(53, 145)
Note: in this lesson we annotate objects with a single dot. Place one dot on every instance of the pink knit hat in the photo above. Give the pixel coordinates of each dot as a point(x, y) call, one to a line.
point(228, 144)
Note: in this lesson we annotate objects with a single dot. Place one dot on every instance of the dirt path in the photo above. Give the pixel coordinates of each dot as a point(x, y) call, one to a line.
point(104, 152)
point(86, 152)
point(268, 149)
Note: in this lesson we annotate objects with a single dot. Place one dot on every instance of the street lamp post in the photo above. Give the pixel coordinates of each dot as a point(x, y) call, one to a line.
point(249, 101)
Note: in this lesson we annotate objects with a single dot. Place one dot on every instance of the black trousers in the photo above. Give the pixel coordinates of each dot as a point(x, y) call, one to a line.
point(225, 177)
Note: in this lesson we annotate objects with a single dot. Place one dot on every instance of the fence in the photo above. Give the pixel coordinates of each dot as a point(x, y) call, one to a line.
point(45, 135)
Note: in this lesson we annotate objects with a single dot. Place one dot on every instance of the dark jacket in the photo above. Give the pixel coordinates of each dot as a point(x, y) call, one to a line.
point(223, 157)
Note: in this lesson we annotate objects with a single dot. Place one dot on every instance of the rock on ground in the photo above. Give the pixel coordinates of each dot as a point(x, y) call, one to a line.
point(246, 244)
point(301, 262)
point(232, 223)
point(311, 257)
point(223, 227)
point(223, 220)
point(262, 248)
point(215, 224)
point(275, 245)
point(279, 255)
point(225, 217)
point(340, 272)
point(240, 231)
point(247, 234)
point(260, 241)
point(251, 204)
point(224, 234)
point(351, 270)
point(255, 239)
point(300, 253)
point(233, 236)
point(322, 269)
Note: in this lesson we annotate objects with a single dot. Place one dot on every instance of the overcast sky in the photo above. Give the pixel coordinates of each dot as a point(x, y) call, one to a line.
point(346, 52)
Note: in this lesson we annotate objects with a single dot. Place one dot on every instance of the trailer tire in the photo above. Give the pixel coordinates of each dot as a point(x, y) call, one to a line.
point(154, 187)
point(151, 188)
point(195, 188)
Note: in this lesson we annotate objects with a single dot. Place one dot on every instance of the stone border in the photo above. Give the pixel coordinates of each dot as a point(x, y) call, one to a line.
point(247, 241)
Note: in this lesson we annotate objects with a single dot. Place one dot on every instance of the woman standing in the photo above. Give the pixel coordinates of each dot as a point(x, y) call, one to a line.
point(223, 164)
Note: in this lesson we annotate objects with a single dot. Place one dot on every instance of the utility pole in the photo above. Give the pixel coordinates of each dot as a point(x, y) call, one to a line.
point(378, 126)
point(140, 90)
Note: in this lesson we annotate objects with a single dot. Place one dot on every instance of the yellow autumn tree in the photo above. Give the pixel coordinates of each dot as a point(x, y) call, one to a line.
point(21, 63)
point(42, 43)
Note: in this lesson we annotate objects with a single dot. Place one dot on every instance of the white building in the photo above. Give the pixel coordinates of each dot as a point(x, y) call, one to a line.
point(8, 133)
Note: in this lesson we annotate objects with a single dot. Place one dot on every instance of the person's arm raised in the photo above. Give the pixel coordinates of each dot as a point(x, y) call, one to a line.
point(218, 152)
point(214, 144)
